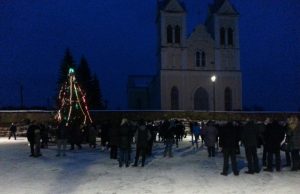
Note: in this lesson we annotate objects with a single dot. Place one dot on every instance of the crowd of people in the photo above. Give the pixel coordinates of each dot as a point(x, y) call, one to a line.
point(119, 137)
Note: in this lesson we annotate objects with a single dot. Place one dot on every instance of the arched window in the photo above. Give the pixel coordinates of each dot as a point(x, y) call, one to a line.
point(177, 34)
point(201, 99)
point(222, 36)
point(169, 34)
point(203, 59)
point(198, 55)
point(230, 36)
point(228, 99)
point(174, 98)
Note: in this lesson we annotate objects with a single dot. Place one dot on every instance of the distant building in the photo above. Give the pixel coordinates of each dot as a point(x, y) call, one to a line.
point(187, 63)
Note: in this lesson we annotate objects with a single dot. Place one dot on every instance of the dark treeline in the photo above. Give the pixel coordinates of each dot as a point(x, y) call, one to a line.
point(87, 80)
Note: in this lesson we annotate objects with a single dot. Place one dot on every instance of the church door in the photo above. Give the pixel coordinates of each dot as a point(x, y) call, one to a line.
point(201, 99)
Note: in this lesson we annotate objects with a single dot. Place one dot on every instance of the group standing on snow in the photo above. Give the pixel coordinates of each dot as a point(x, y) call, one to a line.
point(119, 139)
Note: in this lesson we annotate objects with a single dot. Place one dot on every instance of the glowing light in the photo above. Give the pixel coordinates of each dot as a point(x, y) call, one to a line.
point(213, 78)
point(71, 99)
point(71, 71)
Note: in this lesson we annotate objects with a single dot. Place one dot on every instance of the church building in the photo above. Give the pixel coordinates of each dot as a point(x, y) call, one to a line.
point(196, 72)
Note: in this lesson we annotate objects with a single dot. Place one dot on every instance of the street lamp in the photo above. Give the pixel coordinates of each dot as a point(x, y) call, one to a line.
point(213, 78)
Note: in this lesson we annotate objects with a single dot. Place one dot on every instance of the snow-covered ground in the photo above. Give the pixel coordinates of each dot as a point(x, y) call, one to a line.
point(91, 171)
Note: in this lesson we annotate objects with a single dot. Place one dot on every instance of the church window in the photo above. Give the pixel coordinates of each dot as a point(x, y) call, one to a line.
point(169, 34)
point(228, 99)
point(174, 98)
point(177, 34)
point(200, 59)
point(198, 56)
point(203, 59)
point(230, 36)
point(222, 36)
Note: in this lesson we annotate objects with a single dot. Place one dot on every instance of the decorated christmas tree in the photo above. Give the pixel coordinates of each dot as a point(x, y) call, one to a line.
point(72, 105)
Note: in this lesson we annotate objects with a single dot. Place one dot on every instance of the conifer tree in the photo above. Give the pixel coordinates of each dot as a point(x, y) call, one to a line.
point(97, 101)
point(84, 74)
point(66, 64)
point(72, 104)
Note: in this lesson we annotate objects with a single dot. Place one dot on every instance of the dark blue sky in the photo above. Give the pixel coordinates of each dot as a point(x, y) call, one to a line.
point(119, 38)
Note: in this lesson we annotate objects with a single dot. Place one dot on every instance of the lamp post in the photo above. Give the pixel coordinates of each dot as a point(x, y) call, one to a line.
point(213, 78)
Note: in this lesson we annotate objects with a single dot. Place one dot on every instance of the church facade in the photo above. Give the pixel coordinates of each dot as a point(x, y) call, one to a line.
point(196, 72)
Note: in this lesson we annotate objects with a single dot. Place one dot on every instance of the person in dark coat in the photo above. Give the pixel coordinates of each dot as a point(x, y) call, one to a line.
point(238, 126)
point(75, 134)
point(151, 128)
point(12, 131)
point(191, 124)
point(228, 136)
point(250, 136)
point(169, 138)
point(44, 136)
point(61, 138)
point(33, 137)
point(274, 135)
point(262, 128)
point(104, 134)
point(114, 140)
point(142, 137)
point(30, 138)
point(285, 145)
point(124, 143)
point(294, 141)
point(177, 132)
point(210, 134)
point(37, 141)
point(92, 135)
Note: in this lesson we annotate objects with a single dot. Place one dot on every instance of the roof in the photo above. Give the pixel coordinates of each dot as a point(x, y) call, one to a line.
point(223, 7)
point(171, 6)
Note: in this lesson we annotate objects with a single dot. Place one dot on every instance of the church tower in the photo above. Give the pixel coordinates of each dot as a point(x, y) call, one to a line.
point(223, 25)
point(172, 51)
point(172, 34)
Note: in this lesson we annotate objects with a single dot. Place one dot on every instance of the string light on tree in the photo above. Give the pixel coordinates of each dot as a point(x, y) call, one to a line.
point(72, 103)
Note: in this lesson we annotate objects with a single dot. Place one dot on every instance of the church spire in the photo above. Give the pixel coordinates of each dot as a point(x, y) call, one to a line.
point(171, 5)
point(223, 7)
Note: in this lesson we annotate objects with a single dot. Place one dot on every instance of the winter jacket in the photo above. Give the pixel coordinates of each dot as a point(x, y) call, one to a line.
point(125, 137)
point(196, 129)
point(210, 135)
point(92, 134)
point(142, 137)
point(274, 135)
point(62, 132)
point(13, 128)
point(75, 132)
point(30, 132)
point(294, 138)
point(229, 136)
point(250, 135)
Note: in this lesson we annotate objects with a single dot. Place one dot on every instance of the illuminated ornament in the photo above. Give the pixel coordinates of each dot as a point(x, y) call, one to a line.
point(71, 71)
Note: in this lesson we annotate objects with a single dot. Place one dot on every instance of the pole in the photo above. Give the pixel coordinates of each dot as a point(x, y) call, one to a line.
point(214, 96)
